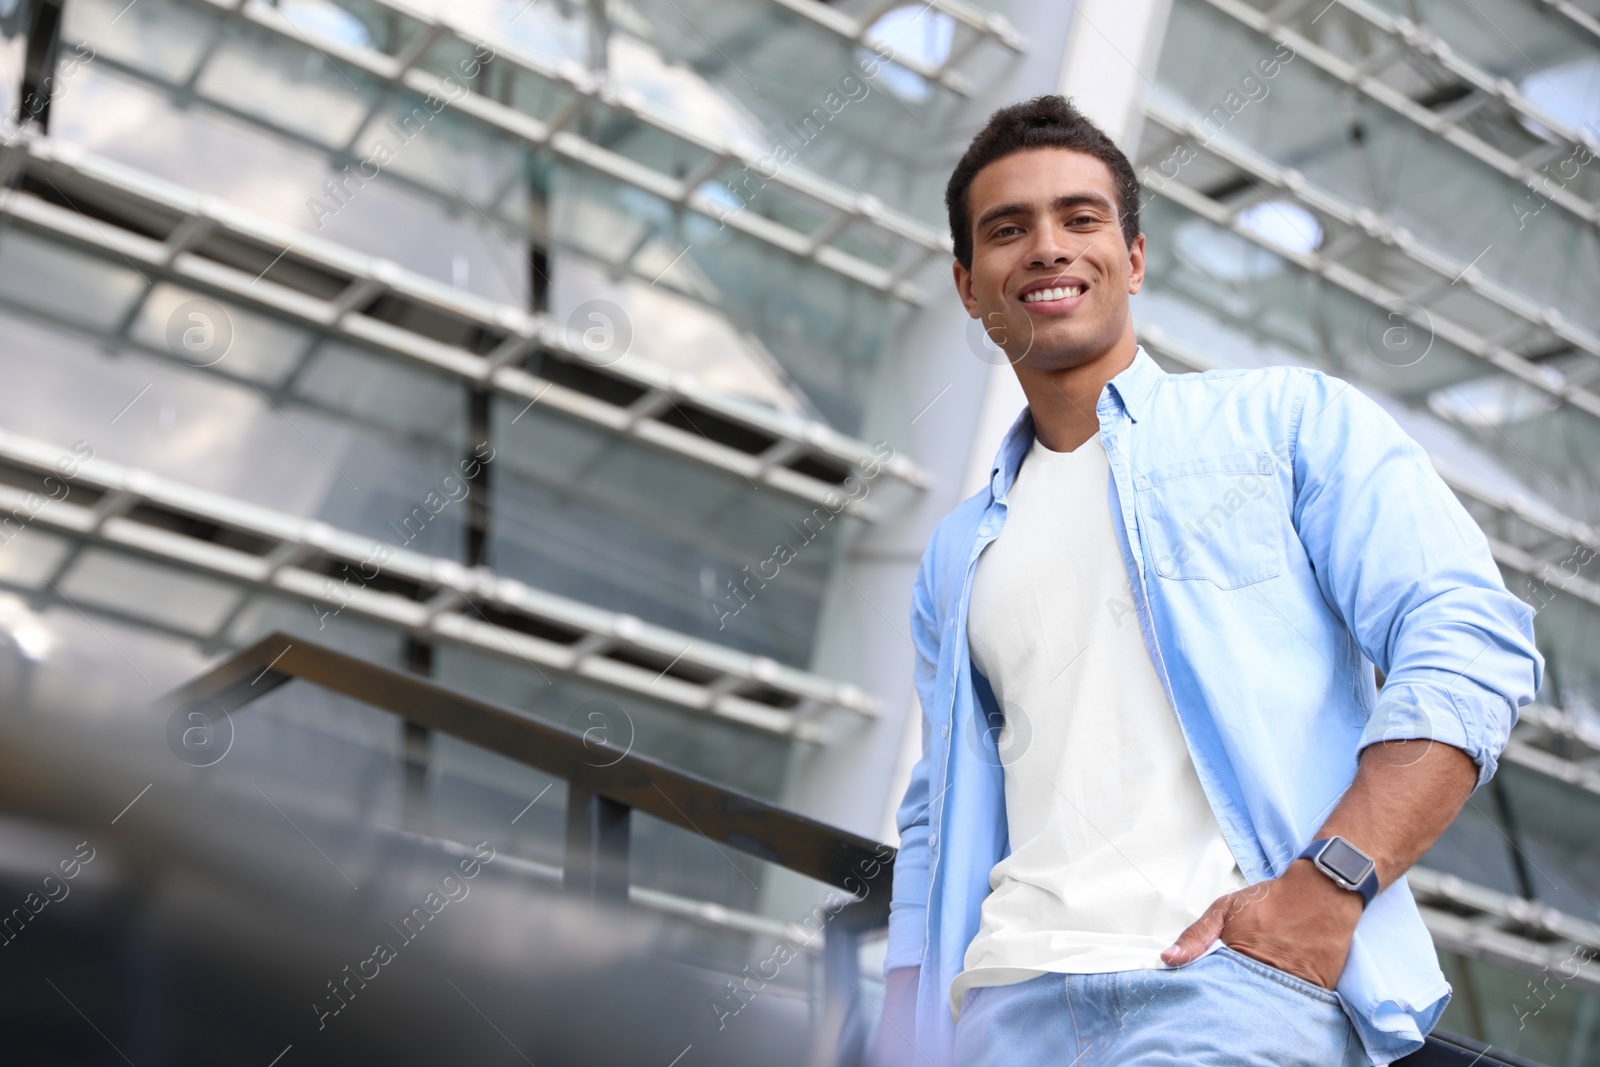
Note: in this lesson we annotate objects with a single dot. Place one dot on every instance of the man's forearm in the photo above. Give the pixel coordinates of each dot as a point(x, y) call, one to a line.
point(1404, 795)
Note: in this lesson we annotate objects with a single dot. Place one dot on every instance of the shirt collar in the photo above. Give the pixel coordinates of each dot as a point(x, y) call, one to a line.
point(1136, 382)
point(1132, 388)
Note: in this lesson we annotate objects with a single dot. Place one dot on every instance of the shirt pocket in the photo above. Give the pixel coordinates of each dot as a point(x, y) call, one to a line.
point(1212, 518)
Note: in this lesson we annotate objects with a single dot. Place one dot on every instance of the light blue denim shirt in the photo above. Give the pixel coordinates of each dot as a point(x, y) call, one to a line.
point(1282, 535)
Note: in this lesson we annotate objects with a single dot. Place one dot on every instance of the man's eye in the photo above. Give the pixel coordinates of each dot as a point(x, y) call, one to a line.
point(1007, 230)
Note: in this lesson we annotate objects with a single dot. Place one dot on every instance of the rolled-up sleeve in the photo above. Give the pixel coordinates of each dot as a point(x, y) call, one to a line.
point(908, 903)
point(1413, 578)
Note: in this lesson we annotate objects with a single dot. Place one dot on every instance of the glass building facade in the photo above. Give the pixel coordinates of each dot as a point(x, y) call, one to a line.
point(1405, 195)
point(597, 357)
point(547, 349)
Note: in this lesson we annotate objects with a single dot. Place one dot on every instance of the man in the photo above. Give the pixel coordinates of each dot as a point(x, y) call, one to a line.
point(1163, 812)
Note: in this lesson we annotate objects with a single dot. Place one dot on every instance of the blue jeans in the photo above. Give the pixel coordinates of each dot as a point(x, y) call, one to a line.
point(1223, 1009)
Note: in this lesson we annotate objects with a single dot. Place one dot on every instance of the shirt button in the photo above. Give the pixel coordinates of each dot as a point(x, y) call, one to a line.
point(933, 840)
point(944, 731)
point(983, 531)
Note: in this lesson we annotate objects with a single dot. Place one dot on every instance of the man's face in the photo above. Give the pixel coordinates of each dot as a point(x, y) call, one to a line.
point(1051, 273)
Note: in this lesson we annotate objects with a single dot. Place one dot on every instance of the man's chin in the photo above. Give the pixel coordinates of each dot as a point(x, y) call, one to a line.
point(1060, 356)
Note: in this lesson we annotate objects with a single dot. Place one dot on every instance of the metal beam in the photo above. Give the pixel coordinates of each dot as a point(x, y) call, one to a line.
point(596, 864)
point(565, 142)
point(1556, 744)
point(506, 330)
point(1576, 15)
point(1521, 935)
point(1375, 233)
point(982, 25)
point(42, 44)
point(1469, 341)
point(1400, 34)
point(1378, 90)
point(434, 597)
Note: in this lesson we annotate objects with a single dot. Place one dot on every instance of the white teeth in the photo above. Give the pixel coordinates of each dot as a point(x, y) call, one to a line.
point(1050, 294)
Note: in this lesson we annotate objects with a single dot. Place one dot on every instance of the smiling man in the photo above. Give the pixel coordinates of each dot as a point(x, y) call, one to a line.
point(1163, 811)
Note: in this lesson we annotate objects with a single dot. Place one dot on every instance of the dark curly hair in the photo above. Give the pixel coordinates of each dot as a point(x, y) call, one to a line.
point(1043, 122)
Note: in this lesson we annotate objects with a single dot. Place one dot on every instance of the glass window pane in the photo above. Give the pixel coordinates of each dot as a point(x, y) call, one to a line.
point(411, 212)
point(44, 276)
point(165, 595)
point(353, 439)
point(631, 528)
point(29, 556)
point(164, 36)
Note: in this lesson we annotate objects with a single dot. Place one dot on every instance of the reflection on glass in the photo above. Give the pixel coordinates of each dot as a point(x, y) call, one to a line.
point(1284, 224)
point(1570, 92)
point(919, 33)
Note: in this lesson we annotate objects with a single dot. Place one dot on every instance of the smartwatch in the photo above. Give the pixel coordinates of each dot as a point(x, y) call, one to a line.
point(1348, 866)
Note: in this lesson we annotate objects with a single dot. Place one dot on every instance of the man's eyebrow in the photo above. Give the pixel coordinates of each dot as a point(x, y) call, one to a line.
point(1060, 203)
point(1001, 211)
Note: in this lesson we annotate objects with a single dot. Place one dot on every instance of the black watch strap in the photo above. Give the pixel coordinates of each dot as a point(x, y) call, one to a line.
point(1346, 865)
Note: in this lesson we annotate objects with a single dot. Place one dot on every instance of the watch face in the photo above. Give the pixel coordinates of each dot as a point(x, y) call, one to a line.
point(1345, 861)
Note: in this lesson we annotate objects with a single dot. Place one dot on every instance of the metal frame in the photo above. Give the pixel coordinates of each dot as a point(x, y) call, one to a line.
point(1440, 125)
point(1555, 728)
point(454, 201)
point(1576, 15)
point(703, 912)
point(984, 25)
point(508, 335)
point(1556, 744)
point(1403, 37)
point(1496, 356)
point(1371, 233)
point(847, 207)
point(1485, 924)
point(444, 598)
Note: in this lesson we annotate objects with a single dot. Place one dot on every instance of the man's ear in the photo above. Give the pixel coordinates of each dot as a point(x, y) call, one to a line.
point(963, 279)
point(1136, 265)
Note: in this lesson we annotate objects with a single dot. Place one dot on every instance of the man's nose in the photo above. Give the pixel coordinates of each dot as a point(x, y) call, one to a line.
point(1051, 248)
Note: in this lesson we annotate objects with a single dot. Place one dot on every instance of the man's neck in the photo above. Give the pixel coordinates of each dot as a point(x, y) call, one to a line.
point(1064, 402)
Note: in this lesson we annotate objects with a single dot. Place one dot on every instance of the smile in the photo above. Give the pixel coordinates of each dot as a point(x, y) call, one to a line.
point(1061, 293)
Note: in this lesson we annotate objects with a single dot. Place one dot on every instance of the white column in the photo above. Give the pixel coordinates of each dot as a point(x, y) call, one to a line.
point(1111, 62)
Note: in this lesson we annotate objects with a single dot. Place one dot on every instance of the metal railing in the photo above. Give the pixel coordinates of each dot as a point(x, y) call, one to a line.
point(602, 799)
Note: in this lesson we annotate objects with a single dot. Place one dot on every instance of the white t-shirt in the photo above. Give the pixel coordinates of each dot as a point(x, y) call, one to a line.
point(1114, 849)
